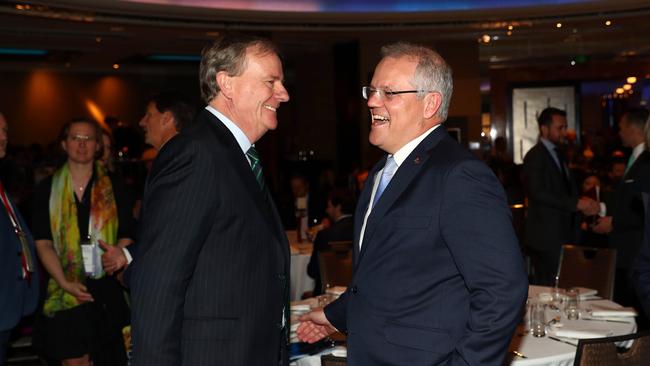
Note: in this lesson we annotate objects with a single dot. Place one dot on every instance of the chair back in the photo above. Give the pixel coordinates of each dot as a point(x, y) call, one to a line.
point(336, 264)
point(604, 351)
point(588, 267)
point(331, 360)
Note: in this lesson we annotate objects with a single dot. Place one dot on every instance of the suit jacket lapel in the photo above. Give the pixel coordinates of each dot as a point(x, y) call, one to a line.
point(362, 206)
point(238, 161)
point(406, 173)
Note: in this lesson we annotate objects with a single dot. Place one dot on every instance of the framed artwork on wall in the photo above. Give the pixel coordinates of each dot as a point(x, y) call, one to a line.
point(527, 102)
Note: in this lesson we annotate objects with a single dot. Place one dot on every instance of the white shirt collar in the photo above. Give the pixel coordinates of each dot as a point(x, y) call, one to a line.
point(407, 149)
point(637, 151)
point(241, 138)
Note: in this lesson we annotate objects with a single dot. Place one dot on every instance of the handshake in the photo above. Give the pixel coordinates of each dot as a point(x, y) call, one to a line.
point(590, 207)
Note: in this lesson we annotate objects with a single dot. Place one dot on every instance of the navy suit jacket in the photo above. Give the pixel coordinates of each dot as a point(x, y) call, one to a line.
point(641, 269)
point(439, 278)
point(211, 276)
point(18, 297)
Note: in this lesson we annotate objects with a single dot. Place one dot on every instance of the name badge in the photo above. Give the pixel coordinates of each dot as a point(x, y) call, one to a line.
point(91, 254)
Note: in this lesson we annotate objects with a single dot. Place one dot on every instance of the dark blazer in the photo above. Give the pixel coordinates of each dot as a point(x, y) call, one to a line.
point(551, 218)
point(641, 268)
point(439, 278)
point(210, 280)
point(340, 230)
point(18, 297)
point(628, 211)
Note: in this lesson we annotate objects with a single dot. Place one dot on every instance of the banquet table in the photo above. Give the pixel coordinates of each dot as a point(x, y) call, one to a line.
point(300, 255)
point(549, 352)
point(543, 351)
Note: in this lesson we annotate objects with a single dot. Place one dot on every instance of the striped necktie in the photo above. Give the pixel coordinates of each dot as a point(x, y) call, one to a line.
point(256, 166)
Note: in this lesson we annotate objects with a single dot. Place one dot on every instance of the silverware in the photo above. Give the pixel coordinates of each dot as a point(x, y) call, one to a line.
point(606, 320)
point(518, 354)
point(561, 340)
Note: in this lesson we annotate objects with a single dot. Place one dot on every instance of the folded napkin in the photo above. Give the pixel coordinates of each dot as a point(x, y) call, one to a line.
point(620, 312)
point(584, 333)
point(300, 308)
point(586, 293)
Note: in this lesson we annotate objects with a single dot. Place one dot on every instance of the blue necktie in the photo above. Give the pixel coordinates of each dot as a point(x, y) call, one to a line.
point(386, 176)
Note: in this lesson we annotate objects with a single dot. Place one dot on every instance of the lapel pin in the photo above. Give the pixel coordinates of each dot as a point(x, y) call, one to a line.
point(416, 160)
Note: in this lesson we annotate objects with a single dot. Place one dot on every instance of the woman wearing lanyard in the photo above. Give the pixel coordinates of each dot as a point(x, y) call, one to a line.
point(84, 310)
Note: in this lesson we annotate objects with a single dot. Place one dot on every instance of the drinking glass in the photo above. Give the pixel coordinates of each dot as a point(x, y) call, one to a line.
point(557, 295)
point(572, 308)
point(538, 320)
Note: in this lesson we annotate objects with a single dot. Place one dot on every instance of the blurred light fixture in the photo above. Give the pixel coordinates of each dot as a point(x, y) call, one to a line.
point(116, 66)
point(509, 33)
point(608, 23)
point(620, 90)
point(98, 39)
point(495, 38)
point(558, 25)
point(631, 79)
point(510, 27)
point(486, 38)
point(627, 87)
point(573, 62)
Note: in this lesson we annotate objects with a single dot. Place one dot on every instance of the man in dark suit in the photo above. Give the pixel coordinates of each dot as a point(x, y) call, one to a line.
point(625, 220)
point(553, 201)
point(641, 268)
point(438, 274)
point(340, 206)
point(18, 277)
point(210, 279)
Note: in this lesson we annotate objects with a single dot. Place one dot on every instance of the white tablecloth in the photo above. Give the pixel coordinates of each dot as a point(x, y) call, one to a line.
point(548, 352)
point(300, 254)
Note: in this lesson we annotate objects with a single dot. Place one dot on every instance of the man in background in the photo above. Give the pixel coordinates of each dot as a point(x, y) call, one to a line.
point(553, 199)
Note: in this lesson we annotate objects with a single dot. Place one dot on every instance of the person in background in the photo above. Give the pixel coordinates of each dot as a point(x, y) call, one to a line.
point(108, 155)
point(210, 281)
point(641, 267)
point(553, 199)
point(19, 285)
point(438, 275)
point(78, 207)
point(340, 207)
point(624, 222)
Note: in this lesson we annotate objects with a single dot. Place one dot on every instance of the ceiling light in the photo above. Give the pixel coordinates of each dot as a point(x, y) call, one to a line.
point(485, 38)
point(573, 62)
point(558, 25)
point(620, 90)
point(116, 66)
point(608, 22)
point(510, 27)
point(631, 79)
point(495, 38)
point(509, 33)
point(627, 87)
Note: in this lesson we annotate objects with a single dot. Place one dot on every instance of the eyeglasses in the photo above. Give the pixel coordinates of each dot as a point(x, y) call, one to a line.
point(383, 94)
point(79, 138)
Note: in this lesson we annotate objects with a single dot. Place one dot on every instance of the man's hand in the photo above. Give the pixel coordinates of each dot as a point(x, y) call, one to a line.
point(604, 225)
point(79, 291)
point(588, 206)
point(113, 258)
point(314, 326)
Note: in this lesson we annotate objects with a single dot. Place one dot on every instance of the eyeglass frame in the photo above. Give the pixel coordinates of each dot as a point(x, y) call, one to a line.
point(389, 94)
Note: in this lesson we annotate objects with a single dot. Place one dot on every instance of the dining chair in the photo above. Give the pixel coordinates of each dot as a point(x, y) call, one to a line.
point(588, 267)
point(604, 351)
point(331, 360)
point(335, 264)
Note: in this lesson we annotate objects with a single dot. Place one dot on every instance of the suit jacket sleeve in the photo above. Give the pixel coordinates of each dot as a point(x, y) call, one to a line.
point(177, 207)
point(477, 228)
point(537, 188)
point(641, 269)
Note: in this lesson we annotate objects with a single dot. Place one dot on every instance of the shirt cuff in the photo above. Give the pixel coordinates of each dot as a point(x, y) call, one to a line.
point(129, 259)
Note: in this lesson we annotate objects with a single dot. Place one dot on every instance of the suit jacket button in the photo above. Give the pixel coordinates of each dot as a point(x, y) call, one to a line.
point(354, 289)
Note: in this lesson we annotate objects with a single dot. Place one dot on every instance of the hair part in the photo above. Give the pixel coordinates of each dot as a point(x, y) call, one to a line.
point(228, 53)
point(546, 117)
point(432, 73)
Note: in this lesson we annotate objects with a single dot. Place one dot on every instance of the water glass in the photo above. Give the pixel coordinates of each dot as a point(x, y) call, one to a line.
point(557, 298)
point(538, 320)
point(572, 308)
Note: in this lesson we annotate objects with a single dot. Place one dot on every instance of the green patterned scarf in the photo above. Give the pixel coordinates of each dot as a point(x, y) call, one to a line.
point(65, 231)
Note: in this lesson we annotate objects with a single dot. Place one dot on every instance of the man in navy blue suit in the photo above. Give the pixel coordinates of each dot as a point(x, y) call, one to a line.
point(438, 274)
point(18, 277)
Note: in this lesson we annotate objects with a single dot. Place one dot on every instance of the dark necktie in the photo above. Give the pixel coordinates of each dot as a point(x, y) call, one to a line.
point(256, 166)
point(562, 161)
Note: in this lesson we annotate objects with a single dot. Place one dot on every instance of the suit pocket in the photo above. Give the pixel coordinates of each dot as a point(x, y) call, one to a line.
point(412, 222)
point(210, 329)
point(420, 338)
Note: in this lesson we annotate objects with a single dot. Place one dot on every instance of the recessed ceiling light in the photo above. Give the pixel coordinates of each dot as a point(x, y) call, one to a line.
point(627, 87)
point(608, 22)
point(116, 66)
point(620, 90)
point(631, 79)
point(558, 25)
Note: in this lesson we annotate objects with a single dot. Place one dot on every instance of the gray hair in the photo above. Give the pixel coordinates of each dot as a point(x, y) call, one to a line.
point(431, 74)
point(228, 53)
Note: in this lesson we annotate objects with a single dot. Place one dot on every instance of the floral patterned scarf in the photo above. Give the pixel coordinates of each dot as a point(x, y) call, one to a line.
point(65, 230)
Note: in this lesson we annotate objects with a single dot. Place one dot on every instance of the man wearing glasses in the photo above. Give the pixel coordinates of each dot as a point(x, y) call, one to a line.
point(438, 275)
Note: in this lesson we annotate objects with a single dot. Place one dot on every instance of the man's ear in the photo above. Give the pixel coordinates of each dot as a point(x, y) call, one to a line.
point(224, 81)
point(543, 131)
point(432, 102)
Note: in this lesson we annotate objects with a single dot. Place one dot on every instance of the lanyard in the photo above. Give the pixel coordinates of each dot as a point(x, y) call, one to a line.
point(10, 210)
point(26, 257)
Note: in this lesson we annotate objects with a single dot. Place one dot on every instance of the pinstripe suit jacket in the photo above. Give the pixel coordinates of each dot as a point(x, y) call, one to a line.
point(210, 279)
